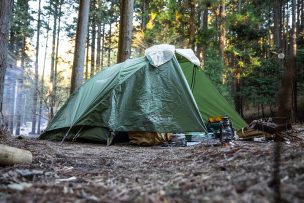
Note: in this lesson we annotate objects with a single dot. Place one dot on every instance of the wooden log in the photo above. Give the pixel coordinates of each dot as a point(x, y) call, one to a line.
point(12, 155)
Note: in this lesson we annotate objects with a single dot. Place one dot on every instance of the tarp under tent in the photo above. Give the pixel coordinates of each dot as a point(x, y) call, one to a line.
point(148, 94)
point(165, 91)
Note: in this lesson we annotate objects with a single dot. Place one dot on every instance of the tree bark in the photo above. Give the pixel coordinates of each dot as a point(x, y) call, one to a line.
point(103, 45)
point(205, 29)
point(5, 12)
point(42, 78)
point(53, 58)
point(239, 6)
point(79, 54)
point(222, 37)
point(293, 50)
point(34, 116)
point(56, 58)
point(98, 49)
point(86, 74)
point(276, 18)
point(284, 97)
point(109, 45)
point(93, 48)
point(144, 15)
point(293, 44)
point(20, 92)
point(125, 30)
point(192, 25)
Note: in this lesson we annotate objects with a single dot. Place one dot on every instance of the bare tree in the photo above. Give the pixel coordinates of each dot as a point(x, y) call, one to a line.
point(79, 54)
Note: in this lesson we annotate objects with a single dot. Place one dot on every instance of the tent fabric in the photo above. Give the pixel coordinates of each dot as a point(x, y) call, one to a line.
point(132, 96)
point(160, 54)
point(138, 95)
point(209, 100)
point(189, 55)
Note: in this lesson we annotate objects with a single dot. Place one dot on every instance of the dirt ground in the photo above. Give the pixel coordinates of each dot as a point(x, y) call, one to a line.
point(77, 172)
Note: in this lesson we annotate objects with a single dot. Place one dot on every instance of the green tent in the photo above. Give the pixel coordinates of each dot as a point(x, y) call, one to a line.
point(149, 94)
point(130, 96)
point(209, 100)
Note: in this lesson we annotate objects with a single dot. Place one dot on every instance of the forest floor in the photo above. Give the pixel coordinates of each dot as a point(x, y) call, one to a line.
point(78, 172)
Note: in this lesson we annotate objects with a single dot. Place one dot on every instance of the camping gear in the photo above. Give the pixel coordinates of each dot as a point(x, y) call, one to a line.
point(188, 137)
point(226, 130)
point(12, 155)
point(165, 91)
point(178, 140)
point(264, 127)
point(220, 127)
point(149, 138)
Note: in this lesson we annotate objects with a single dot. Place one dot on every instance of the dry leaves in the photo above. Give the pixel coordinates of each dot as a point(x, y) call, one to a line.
point(77, 172)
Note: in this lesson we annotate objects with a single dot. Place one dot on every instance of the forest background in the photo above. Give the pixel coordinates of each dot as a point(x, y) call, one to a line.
point(253, 51)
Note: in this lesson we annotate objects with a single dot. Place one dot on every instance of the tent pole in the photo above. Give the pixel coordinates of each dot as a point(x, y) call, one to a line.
point(66, 135)
point(77, 134)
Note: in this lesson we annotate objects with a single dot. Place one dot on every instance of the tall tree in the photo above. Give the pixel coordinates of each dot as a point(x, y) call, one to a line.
point(125, 30)
point(293, 53)
point(286, 92)
point(5, 12)
point(277, 19)
point(54, 6)
point(20, 96)
point(42, 77)
point(34, 116)
point(98, 48)
point(103, 44)
point(79, 54)
point(24, 33)
point(93, 35)
point(54, 82)
point(192, 25)
point(222, 31)
point(87, 59)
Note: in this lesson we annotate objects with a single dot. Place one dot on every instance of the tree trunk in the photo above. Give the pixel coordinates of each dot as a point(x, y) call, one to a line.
point(20, 92)
point(93, 48)
point(192, 25)
point(5, 12)
point(125, 30)
point(238, 97)
point(98, 50)
point(53, 58)
point(56, 58)
point(239, 6)
point(86, 74)
point(79, 54)
point(276, 18)
point(42, 78)
point(109, 45)
point(293, 52)
point(222, 37)
point(144, 15)
point(205, 28)
point(103, 44)
point(284, 97)
point(34, 109)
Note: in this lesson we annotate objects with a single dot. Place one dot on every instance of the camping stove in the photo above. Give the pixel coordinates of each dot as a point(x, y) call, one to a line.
point(226, 131)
